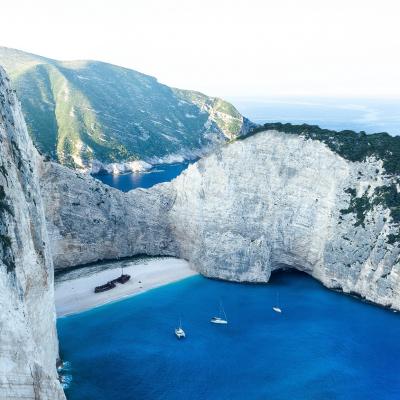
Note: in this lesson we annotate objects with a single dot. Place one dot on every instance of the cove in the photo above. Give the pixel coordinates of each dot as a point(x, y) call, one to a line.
point(325, 345)
point(158, 174)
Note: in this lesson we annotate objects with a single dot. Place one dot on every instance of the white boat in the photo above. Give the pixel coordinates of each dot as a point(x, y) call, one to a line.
point(179, 332)
point(220, 320)
point(277, 308)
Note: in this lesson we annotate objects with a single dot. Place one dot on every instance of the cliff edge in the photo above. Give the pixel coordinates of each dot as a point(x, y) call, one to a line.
point(28, 340)
point(273, 200)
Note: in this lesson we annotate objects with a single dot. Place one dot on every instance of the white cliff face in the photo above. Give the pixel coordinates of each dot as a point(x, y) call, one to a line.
point(28, 341)
point(274, 201)
point(268, 202)
point(88, 221)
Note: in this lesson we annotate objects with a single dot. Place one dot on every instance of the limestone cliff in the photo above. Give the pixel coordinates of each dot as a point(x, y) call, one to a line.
point(28, 341)
point(273, 200)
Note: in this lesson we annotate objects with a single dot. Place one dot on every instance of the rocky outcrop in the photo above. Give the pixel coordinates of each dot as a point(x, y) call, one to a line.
point(88, 221)
point(28, 341)
point(80, 111)
point(271, 201)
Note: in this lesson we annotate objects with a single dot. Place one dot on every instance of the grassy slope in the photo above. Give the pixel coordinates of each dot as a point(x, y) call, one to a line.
point(77, 111)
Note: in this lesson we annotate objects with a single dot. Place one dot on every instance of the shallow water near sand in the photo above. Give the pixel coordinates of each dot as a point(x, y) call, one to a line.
point(324, 345)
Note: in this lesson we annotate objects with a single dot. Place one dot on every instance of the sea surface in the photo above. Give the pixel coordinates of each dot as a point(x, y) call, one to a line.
point(369, 115)
point(159, 173)
point(324, 345)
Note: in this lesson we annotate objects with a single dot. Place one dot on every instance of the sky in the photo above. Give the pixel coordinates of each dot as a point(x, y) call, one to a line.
point(248, 49)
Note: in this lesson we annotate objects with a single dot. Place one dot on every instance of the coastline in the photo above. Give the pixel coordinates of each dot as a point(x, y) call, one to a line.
point(74, 290)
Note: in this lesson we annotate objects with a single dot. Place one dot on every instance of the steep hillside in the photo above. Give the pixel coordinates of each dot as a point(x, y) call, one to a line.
point(79, 111)
point(28, 341)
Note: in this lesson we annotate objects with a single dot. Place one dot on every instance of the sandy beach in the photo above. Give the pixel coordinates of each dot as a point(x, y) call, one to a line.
point(74, 290)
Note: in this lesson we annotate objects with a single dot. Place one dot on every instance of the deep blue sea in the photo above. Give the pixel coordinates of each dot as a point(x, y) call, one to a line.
point(160, 173)
point(324, 345)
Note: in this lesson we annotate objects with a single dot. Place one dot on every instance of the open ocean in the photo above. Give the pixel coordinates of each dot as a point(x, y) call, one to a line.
point(324, 345)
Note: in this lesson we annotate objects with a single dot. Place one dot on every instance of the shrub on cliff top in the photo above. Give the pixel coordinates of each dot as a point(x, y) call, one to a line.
point(351, 145)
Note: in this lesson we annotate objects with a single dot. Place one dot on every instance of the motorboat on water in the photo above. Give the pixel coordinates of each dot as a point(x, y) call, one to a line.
point(277, 308)
point(179, 332)
point(220, 320)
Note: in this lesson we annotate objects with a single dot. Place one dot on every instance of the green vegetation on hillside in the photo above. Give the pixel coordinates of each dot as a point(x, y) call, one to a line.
point(228, 119)
point(83, 110)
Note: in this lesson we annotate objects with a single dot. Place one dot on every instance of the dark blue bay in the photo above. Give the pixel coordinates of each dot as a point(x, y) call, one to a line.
point(324, 346)
point(160, 173)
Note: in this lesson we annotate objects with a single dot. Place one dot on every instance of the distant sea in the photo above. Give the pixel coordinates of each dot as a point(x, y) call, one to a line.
point(369, 115)
point(324, 346)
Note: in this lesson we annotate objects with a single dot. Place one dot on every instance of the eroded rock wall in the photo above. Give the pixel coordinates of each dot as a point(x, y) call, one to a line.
point(276, 200)
point(28, 340)
point(89, 221)
point(270, 201)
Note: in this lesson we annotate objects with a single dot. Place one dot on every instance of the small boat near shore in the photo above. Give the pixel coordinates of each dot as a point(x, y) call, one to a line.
point(179, 332)
point(123, 278)
point(103, 288)
point(220, 320)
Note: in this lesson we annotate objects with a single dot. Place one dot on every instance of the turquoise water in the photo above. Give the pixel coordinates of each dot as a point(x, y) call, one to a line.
point(324, 346)
point(160, 173)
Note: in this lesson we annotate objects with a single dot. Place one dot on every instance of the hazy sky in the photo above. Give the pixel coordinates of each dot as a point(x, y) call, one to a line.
point(226, 48)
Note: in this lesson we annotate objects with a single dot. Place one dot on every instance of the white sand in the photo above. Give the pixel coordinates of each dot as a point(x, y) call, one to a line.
point(74, 291)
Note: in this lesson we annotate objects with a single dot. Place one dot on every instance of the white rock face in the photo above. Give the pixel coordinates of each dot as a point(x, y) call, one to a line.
point(268, 202)
point(28, 341)
point(88, 221)
point(273, 201)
